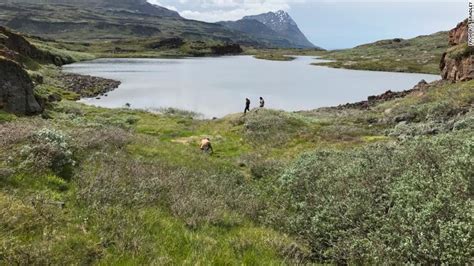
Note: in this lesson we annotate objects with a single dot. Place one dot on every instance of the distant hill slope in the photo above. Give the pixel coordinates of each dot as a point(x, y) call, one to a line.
point(141, 6)
point(276, 27)
point(109, 20)
point(102, 20)
point(419, 55)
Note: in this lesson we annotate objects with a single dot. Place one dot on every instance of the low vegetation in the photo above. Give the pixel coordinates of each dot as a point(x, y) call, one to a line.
point(333, 185)
point(390, 182)
point(274, 57)
point(418, 55)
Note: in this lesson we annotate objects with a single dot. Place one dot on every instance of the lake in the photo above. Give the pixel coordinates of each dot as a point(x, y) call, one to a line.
point(218, 86)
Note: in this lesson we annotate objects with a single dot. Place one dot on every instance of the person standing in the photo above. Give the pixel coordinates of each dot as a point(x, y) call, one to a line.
point(247, 105)
point(262, 102)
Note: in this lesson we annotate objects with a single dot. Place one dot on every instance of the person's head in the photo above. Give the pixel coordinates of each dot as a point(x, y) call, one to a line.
point(261, 98)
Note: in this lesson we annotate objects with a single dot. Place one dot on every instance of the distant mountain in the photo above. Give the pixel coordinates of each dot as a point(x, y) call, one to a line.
point(259, 31)
point(99, 20)
point(277, 27)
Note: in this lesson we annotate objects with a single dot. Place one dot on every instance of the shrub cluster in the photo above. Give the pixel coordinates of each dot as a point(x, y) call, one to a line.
point(49, 150)
point(386, 203)
point(271, 127)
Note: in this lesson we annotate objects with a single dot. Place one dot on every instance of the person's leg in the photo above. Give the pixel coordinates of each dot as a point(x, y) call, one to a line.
point(211, 150)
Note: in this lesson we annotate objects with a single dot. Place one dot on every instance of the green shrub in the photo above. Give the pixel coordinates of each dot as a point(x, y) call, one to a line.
point(386, 203)
point(271, 127)
point(467, 123)
point(460, 51)
point(50, 150)
point(6, 117)
point(178, 112)
point(409, 130)
point(260, 167)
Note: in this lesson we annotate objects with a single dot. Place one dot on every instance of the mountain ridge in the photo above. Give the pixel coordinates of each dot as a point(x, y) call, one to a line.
point(109, 20)
point(283, 24)
point(142, 6)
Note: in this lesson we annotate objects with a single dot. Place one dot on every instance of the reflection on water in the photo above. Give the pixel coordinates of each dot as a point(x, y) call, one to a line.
point(219, 86)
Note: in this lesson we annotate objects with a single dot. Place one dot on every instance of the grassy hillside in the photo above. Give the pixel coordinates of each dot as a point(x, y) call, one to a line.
point(419, 55)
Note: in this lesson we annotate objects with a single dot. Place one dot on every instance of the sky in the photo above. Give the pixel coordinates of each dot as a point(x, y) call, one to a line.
point(337, 24)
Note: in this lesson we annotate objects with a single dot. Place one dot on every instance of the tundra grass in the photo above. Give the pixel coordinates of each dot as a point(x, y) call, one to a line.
point(141, 191)
point(417, 55)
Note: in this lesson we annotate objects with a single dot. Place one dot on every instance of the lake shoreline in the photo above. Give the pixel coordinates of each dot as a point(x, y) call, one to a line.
point(268, 83)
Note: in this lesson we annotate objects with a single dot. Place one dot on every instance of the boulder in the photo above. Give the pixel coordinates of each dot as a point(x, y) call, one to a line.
point(16, 90)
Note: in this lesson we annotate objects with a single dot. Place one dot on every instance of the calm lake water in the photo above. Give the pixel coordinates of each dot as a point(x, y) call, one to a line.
point(218, 86)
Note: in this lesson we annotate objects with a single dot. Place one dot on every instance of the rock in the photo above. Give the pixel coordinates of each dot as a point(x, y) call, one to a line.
point(16, 90)
point(457, 69)
point(88, 86)
point(459, 34)
point(387, 96)
point(422, 82)
point(457, 64)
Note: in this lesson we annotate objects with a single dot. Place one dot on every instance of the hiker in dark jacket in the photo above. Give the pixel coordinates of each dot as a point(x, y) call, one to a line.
point(262, 102)
point(247, 105)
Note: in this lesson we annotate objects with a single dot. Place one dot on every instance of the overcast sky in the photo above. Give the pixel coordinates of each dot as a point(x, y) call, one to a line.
point(334, 24)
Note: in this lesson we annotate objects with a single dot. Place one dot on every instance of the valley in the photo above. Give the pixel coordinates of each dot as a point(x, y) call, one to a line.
point(385, 179)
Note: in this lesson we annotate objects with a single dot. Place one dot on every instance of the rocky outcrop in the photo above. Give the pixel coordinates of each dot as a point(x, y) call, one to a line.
point(386, 96)
point(87, 86)
point(459, 34)
point(16, 89)
point(16, 47)
point(457, 64)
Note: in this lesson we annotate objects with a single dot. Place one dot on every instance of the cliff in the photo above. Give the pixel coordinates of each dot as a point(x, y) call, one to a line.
point(457, 63)
point(16, 87)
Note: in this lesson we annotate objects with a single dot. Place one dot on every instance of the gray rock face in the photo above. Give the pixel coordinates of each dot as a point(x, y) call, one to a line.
point(276, 28)
point(16, 90)
point(282, 23)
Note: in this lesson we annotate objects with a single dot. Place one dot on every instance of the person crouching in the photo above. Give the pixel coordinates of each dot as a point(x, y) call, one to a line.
point(206, 146)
